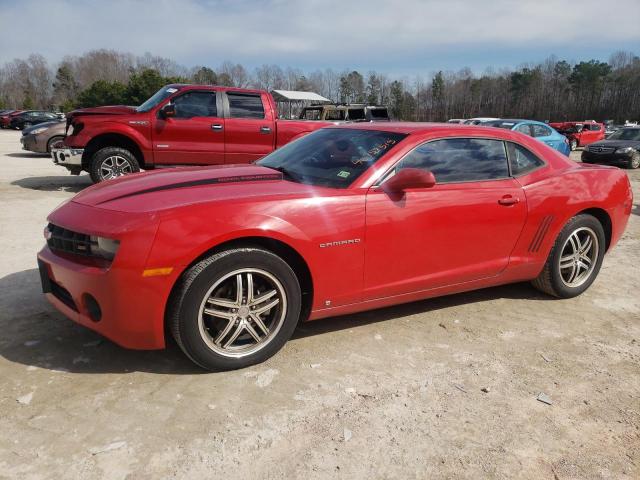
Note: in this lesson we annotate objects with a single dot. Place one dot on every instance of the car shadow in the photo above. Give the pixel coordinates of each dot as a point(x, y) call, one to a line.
point(71, 183)
point(28, 155)
point(36, 335)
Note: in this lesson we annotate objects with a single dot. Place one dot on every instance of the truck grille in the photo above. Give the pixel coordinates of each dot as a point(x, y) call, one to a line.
point(599, 149)
point(68, 241)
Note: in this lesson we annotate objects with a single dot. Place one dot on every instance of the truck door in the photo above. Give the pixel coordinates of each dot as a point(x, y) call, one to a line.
point(195, 135)
point(249, 127)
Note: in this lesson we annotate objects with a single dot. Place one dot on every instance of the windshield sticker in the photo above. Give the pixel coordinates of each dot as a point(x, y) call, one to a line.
point(343, 174)
point(172, 90)
point(382, 147)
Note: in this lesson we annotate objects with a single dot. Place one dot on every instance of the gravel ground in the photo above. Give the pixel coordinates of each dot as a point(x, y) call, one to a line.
point(443, 388)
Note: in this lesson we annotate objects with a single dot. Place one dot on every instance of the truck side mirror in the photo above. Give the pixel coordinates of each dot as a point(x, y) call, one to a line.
point(169, 110)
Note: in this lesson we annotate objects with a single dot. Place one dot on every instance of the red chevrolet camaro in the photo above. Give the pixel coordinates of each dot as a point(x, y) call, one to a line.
point(230, 258)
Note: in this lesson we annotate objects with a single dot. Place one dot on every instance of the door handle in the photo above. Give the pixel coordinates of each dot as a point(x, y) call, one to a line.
point(217, 127)
point(508, 200)
point(265, 130)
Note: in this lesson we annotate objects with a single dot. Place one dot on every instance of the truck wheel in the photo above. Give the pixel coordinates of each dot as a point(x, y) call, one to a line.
point(52, 141)
point(573, 144)
point(575, 259)
point(112, 162)
point(634, 161)
point(235, 308)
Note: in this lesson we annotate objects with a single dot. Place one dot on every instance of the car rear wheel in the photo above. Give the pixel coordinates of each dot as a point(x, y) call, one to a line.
point(575, 259)
point(52, 141)
point(573, 144)
point(235, 308)
point(634, 161)
point(112, 162)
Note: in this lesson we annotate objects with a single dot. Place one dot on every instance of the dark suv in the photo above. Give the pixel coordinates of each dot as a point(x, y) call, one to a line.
point(30, 118)
point(622, 147)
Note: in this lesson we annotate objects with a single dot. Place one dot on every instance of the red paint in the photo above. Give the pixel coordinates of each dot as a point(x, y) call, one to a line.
point(583, 138)
point(440, 240)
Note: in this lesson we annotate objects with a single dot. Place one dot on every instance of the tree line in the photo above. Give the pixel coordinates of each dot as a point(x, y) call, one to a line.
point(553, 90)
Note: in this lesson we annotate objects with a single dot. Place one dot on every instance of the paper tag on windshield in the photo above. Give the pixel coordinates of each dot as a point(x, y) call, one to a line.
point(343, 174)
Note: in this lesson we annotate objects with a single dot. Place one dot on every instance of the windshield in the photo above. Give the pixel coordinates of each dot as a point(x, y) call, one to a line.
point(157, 97)
point(331, 157)
point(626, 134)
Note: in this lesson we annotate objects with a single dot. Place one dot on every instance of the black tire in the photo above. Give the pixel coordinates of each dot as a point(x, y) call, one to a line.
point(52, 141)
point(194, 287)
point(98, 161)
point(634, 161)
point(573, 144)
point(550, 280)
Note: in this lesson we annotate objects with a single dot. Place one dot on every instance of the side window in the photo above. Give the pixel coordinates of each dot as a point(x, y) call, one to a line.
point(335, 115)
point(460, 159)
point(540, 131)
point(196, 104)
point(524, 128)
point(522, 160)
point(245, 106)
point(356, 114)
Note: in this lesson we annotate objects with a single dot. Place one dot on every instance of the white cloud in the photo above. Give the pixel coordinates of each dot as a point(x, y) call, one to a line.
point(314, 32)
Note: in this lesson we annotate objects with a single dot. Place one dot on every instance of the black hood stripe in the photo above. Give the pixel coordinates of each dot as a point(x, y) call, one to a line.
point(198, 183)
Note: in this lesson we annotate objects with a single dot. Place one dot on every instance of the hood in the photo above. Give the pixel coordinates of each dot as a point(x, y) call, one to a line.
point(174, 187)
point(109, 110)
point(616, 143)
point(55, 123)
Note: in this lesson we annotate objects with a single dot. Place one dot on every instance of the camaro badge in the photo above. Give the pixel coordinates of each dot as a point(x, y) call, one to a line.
point(339, 243)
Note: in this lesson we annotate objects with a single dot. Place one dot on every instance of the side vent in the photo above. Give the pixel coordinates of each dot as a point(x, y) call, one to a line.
point(540, 234)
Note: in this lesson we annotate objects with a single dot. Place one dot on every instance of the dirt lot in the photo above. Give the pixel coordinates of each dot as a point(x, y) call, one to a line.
point(395, 393)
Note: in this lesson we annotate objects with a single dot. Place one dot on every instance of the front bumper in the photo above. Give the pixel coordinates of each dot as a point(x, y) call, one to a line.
point(67, 157)
point(131, 305)
point(606, 158)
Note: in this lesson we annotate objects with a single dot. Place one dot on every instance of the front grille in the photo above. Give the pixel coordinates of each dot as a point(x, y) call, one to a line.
point(598, 149)
point(69, 241)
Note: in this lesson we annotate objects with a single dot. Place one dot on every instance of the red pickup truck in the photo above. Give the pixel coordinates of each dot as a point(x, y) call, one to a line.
point(178, 125)
point(580, 134)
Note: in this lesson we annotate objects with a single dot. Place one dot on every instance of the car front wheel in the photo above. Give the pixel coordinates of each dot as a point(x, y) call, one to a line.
point(634, 161)
point(575, 259)
point(235, 308)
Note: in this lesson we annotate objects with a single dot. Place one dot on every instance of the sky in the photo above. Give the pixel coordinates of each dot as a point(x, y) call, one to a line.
point(399, 37)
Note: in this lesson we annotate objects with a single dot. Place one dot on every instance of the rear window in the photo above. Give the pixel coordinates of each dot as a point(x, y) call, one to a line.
point(379, 113)
point(311, 114)
point(335, 115)
point(245, 105)
point(356, 114)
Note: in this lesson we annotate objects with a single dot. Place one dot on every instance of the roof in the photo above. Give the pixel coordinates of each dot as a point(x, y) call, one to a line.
point(289, 95)
point(418, 127)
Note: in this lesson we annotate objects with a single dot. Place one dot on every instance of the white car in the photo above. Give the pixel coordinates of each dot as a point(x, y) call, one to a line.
point(479, 120)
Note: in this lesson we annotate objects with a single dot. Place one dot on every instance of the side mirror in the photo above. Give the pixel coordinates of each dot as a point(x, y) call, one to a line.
point(169, 110)
point(409, 178)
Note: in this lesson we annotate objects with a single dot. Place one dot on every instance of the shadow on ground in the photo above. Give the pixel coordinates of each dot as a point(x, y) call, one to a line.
point(28, 155)
point(68, 183)
point(35, 334)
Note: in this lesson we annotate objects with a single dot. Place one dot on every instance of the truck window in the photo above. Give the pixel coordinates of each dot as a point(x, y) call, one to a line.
point(242, 105)
point(311, 114)
point(356, 114)
point(196, 104)
point(382, 113)
point(334, 115)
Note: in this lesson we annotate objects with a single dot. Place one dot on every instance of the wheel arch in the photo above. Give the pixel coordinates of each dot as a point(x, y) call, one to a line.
point(111, 140)
point(605, 220)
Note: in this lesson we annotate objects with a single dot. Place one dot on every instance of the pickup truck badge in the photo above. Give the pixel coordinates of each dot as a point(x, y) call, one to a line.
point(138, 122)
point(340, 243)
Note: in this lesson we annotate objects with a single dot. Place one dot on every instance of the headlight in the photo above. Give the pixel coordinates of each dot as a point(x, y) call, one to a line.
point(624, 150)
point(38, 130)
point(104, 247)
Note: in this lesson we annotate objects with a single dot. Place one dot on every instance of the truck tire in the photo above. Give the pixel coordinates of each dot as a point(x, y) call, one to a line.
point(112, 162)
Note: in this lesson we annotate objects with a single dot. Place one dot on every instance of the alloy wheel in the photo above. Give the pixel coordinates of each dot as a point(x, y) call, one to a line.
point(242, 312)
point(115, 166)
point(578, 257)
